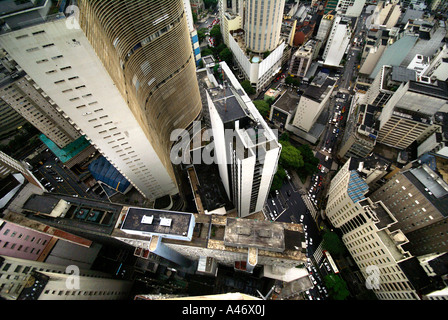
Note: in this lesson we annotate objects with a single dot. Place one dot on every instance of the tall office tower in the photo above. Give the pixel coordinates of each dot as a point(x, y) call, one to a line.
point(302, 58)
point(32, 280)
point(418, 198)
point(263, 21)
point(124, 76)
point(247, 159)
point(409, 114)
point(351, 8)
point(376, 249)
point(313, 101)
point(360, 133)
point(23, 95)
point(10, 120)
point(251, 29)
point(338, 40)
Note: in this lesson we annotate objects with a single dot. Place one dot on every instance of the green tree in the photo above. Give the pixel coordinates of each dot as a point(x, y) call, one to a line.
point(284, 136)
point(206, 52)
point(226, 55)
point(337, 287)
point(215, 32)
point(247, 87)
point(290, 157)
point(201, 34)
point(310, 162)
point(333, 244)
point(278, 179)
point(210, 4)
point(262, 107)
point(292, 80)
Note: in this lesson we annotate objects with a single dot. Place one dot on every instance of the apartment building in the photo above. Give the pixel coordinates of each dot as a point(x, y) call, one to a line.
point(252, 151)
point(25, 97)
point(31, 280)
point(418, 198)
point(338, 41)
point(375, 247)
point(251, 30)
point(125, 92)
point(409, 114)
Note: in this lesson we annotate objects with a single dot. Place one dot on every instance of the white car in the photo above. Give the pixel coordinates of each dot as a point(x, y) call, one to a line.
point(301, 218)
point(311, 241)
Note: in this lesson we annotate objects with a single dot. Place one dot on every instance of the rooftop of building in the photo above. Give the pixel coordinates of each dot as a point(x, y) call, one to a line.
point(154, 221)
point(227, 104)
point(257, 234)
point(402, 74)
point(82, 214)
point(431, 185)
point(210, 231)
point(288, 101)
point(69, 151)
point(319, 87)
point(438, 89)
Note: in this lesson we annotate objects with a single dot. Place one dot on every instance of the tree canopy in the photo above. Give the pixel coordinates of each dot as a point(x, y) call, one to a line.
point(333, 244)
point(337, 287)
point(247, 87)
point(290, 157)
point(215, 32)
point(310, 162)
point(263, 107)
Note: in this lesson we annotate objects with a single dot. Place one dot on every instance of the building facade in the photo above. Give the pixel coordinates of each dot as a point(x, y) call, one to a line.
point(252, 152)
point(31, 280)
point(120, 89)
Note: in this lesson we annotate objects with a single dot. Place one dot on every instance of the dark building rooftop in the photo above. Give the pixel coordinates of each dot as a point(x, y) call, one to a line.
point(438, 90)
point(430, 188)
point(152, 221)
point(227, 104)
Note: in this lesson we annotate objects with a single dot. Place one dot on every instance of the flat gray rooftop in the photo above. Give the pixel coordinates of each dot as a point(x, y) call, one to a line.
point(247, 233)
point(227, 104)
point(157, 221)
point(288, 101)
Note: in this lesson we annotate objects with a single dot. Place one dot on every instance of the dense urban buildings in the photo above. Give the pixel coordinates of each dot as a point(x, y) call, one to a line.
point(223, 149)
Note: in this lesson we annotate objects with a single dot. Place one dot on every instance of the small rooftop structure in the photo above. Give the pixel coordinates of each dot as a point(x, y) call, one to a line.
point(250, 233)
point(148, 222)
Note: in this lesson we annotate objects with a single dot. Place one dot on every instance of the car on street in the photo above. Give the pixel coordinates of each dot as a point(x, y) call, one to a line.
point(301, 218)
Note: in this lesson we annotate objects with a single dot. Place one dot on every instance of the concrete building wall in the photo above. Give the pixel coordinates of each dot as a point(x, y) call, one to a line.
point(263, 20)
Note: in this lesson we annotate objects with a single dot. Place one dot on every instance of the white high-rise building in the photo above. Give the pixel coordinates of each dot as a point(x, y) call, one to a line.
point(263, 21)
point(251, 29)
point(247, 154)
point(338, 41)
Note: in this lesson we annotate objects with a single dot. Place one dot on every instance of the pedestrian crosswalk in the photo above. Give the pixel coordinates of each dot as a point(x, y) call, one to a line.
point(318, 254)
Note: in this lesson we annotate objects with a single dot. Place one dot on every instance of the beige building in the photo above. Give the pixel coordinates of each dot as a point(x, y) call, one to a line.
point(263, 21)
point(376, 249)
point(125, 91)
point(313, 101)
point(408, 116)
point(26, 97)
